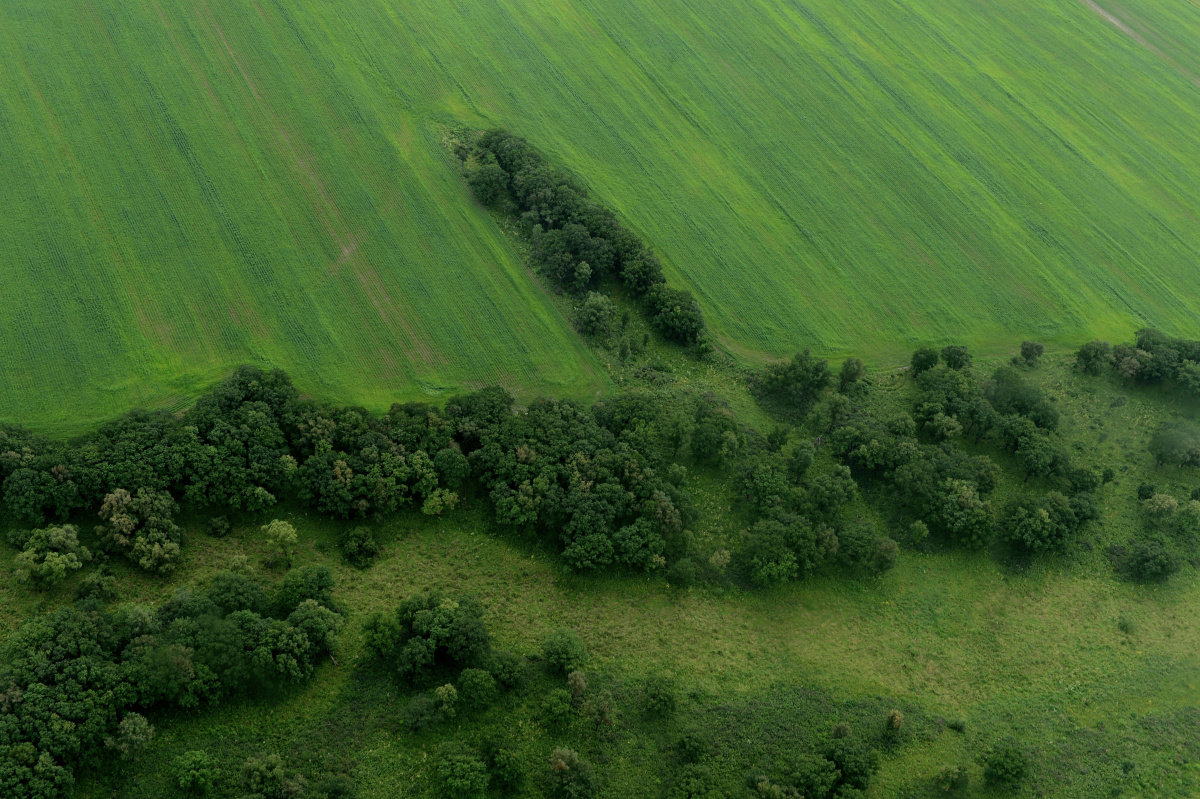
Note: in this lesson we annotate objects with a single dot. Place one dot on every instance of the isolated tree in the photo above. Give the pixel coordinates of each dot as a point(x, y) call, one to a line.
point(852, 371)
point(282, 536)
point(459, 772)
point(571, 777)
point(675, 313)
point(1176, 443)
point(133, 735)
point(49, 555)
point(1031, 351)
point(564, 651)
point(195, 773)
point(1005, 765)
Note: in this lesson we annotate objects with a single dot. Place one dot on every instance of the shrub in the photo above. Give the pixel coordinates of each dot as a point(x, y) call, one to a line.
point(1005, 765)
point(694, 781)
point(318, 622)
point(952, 779)
point(420, 713)
point(477, 688)
point(452, 467)
point(508, 668)
point(571, 777)
point(488, 182)
point(358, 546)
point(1160, 507)
point(813, 775)
point(1094, 357)
point(231, 591)
point(564, 651)
point(195, 772)
point(556, 707)
point(219, 527)
point(801, 458)
point(1176, 443)
point(427, 631)
point(796, 383)
point(683, 573)
point(660, 695)
point(446, 699)
point(1151, 559)
point(852, 371)
point(577, 684)
point(459, 773)
point(268, 778)
point(857, 761)
point(692, 747)
point(142, 527)
point(134, 733)
point(100, 585)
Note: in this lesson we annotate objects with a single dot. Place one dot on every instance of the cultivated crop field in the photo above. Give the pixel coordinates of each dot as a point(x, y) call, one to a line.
point(186, 187)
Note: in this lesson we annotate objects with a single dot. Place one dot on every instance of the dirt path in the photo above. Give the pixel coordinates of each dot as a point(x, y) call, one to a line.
point(1117, 23)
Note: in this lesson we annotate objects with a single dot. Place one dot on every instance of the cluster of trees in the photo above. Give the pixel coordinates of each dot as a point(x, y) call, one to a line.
point(559, 468)
point(593, 478)
point(1153, 358)
point(946, 491)
point(260, 777)
point(576, 242)
point(442, 643)
point(1172, 535)
point(842, 770)
point(75, 683)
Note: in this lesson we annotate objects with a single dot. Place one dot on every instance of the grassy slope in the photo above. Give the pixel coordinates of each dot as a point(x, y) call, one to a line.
point(184, 188)
point(1034, 653)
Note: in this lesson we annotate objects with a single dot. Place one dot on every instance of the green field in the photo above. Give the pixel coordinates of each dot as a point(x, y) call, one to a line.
point(183, 188)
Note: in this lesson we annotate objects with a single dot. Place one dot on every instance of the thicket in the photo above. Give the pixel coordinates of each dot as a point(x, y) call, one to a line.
point(917, 456)
point(605, 485)
point(75, 683)
point(1153, 358)
point(578, 244)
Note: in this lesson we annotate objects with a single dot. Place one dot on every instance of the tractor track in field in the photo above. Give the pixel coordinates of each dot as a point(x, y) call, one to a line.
point(1123, 27)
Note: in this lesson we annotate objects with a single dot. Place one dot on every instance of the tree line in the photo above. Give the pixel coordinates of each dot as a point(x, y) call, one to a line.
point(605, 485)
point(577, 244)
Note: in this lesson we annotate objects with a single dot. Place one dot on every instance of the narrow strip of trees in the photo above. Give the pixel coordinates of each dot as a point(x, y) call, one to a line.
point(577, 244)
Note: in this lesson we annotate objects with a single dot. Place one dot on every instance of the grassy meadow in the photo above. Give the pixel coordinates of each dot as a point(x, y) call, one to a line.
point(1098, 678)
point(188, 187)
